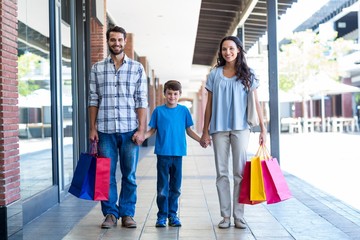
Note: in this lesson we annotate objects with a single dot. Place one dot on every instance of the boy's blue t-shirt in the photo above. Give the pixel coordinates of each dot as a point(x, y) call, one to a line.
point(170, 125)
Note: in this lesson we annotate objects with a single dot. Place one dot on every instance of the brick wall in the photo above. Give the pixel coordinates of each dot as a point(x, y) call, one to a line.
point(9, 141)
point(152, 92)
point(201, 106)
point(346, 101)
point(98, 45)
point(160, 99)
point(129, 47)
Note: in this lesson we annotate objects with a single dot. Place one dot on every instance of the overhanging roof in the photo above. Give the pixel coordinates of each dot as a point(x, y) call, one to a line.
point(219, 18)
point(325, 14)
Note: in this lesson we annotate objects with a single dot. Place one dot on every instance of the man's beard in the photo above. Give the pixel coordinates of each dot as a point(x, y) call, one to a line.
point(116, 53)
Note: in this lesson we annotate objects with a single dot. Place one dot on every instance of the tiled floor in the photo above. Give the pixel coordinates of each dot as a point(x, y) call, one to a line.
point(310, 214)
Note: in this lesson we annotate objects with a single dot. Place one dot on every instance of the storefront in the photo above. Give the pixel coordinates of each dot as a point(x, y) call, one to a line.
point(52, 60)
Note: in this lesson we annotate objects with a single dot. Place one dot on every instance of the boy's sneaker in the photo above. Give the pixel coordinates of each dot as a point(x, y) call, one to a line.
point(161, 222)
point(174, 222)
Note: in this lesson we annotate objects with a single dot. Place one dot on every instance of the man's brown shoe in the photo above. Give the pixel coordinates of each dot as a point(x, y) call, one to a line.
point(128, 222)
point(109, 222)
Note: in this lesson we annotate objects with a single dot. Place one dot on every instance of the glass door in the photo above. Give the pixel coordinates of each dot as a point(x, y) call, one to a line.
point(34, 97)
point(67, 90)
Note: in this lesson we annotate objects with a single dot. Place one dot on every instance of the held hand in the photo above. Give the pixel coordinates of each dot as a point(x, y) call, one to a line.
point(205, 140)
point(138, 137)
point(203, 144)
point(207, 143)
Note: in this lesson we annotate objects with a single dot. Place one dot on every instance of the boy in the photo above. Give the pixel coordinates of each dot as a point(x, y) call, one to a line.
point(170, 122)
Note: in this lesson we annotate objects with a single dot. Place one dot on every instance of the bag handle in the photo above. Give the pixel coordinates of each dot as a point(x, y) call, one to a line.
point(263, 152)
point(94, 148)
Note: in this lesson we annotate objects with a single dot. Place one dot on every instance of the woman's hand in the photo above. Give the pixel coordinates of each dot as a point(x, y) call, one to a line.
point(205, 140)
point(262, 137)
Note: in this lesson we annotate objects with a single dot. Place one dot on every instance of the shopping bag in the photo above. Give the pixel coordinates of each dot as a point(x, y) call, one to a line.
point(257, 189)
point(276, 188)
point(91, 178)
point(83, 182)
point(244, 193)
point(102, 179)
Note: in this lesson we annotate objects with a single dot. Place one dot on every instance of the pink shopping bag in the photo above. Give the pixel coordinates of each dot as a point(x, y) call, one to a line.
point(276, 188)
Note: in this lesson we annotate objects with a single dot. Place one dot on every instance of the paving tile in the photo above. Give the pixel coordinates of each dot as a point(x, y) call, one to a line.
point(309, 214)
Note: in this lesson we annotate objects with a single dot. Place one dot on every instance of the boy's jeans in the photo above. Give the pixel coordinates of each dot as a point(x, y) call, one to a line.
point(169, 175)
point(113, 146)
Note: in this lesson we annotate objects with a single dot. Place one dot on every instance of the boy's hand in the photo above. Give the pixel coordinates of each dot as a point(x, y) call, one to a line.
point(138, 137)
point(205, 140)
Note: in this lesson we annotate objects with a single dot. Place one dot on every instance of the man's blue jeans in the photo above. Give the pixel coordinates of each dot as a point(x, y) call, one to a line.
point(169, 175)
point(113, 146)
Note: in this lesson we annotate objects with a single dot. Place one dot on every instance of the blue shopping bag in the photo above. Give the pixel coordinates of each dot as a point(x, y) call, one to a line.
point(83, 182)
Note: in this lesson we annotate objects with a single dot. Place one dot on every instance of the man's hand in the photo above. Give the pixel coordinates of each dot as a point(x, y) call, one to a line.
point(138, 137)
point(93, 135)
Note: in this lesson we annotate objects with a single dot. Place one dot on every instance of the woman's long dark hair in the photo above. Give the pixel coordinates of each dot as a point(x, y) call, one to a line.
point(243, 72)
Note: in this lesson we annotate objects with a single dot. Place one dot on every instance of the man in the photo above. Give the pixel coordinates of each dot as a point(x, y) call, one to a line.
point(117, 111)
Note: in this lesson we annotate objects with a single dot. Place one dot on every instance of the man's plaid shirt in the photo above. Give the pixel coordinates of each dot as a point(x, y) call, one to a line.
point(117, 94)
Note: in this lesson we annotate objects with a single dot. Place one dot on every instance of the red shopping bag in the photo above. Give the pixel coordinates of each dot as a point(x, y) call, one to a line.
point(276, 188)
point(91, 178)
point(102, 179)
point(244, 193)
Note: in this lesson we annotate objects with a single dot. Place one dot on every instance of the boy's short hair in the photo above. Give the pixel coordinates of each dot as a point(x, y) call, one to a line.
point(172, 85)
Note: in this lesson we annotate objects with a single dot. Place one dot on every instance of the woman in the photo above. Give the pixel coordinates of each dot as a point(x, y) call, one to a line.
point(228, 85)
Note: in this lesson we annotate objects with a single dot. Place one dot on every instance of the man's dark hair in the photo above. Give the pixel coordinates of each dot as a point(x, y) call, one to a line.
point(115, 29)
point(172, 85)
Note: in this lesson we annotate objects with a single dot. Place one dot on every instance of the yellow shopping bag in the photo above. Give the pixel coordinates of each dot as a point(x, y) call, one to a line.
point(257, 189)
